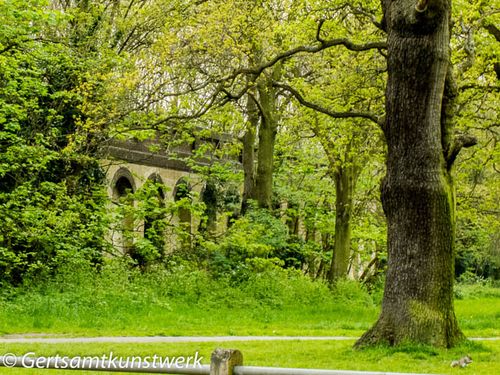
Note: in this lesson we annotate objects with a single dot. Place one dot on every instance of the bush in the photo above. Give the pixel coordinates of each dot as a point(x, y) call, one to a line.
point(485, 288)
point(257, 235)
point(46, 227)
point(350, 292)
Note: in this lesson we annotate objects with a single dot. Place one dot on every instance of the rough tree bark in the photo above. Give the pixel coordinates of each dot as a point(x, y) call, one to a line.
point(267, 139)
point(345, 183)
point(417, 192)
point(248, 153)
point(262, 123)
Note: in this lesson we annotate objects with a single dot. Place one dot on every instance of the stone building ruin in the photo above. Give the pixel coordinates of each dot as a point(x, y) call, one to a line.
point(129, 164)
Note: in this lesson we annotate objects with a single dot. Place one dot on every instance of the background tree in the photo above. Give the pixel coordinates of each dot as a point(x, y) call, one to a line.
point(50, 192)
point(250, 32)
point(342, 111)
point(475, 58)
point(59, 59)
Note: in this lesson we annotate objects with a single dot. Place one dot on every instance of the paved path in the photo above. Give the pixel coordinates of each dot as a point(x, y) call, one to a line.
point(50, 339)
point(158, 339)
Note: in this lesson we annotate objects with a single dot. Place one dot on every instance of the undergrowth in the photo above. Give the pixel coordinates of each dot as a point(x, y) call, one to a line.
point(117, 299)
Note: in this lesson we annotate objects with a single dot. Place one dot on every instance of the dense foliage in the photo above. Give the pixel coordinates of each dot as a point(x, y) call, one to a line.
point(51, 197)
point(74, 74)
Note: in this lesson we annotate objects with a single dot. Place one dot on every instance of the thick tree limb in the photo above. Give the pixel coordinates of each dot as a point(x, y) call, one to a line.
point(318, 108)
point(464, 141)
point(480, 87)
point(314, 48)
point(493, 30)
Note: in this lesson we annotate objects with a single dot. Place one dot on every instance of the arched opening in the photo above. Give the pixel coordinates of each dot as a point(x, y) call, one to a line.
point(209, 198)
point(123, 186)
point(182, 195)
point(154, 221)
point(122, 183)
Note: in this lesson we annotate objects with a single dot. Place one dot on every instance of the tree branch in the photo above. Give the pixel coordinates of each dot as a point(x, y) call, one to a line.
point(361, 11)
point(318, 31)
point(318, 108)
point(320, 46)
point(480, 87)
point(8, 48)
point(314, 49)
point(493, 30)
point(209, 104)
point(470, 51)
point(18, 43)
point(463, 141)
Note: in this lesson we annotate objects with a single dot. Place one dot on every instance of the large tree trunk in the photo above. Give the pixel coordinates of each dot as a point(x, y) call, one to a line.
point(417, 192)
point(345, 184)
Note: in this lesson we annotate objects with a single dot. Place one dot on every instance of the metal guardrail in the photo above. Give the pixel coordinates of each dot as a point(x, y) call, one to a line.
point(251, 370)
point(96, 364)
point(223, 362)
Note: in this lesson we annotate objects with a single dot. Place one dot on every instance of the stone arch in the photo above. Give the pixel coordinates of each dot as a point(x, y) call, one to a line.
point(153, 230)
point(122, 181)
point(123, 184)
point(182, 190)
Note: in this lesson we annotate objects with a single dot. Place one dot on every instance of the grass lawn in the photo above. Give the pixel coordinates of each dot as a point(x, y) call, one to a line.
point(196, 321)
point(479, 317)
point(140, 314)
point(275, 307)
point(303, 354)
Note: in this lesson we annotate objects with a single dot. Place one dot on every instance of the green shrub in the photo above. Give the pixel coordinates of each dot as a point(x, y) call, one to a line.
point(350, 292)
point(480, 289)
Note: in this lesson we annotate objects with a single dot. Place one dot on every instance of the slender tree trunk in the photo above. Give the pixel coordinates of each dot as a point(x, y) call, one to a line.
point(345, 183)
point(264, 180)
point(267, 139)
point(326, 247)
point(292, 220)
point(417, 192)
point(262, 115)
point(249, 191)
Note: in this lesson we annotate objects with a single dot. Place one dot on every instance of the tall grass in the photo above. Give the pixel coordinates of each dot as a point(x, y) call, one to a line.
point(182, 300)
point(119, 300)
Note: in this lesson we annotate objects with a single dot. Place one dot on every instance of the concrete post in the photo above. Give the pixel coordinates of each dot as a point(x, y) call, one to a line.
point(222, 361)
